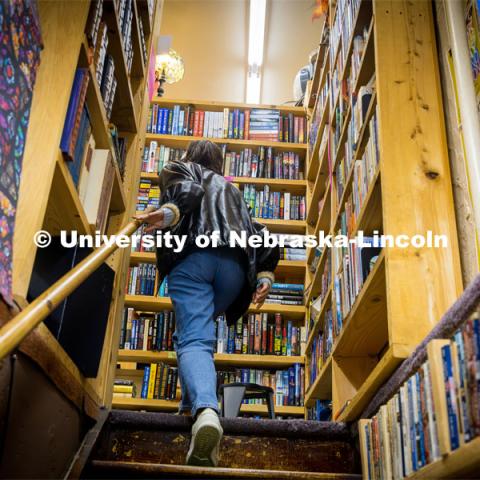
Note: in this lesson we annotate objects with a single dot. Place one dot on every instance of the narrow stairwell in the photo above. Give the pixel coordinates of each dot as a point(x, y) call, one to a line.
point(154, 445)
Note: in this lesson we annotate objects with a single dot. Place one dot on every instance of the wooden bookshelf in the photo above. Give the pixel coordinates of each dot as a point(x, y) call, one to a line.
point(172, 406)
point(409, 193)
point(287, 270)
point(460, 463)
point(48, 198)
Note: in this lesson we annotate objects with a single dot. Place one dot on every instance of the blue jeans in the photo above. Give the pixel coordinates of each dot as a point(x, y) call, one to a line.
point(201, 287)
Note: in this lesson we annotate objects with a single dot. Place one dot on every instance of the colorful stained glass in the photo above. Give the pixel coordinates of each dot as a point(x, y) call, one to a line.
point(20, 45)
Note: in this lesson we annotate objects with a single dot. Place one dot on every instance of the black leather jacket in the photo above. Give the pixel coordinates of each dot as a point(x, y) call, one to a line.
point(205, 202)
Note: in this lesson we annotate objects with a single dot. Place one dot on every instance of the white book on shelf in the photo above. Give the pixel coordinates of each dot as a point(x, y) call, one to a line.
point(286, 206)
point(99, 187)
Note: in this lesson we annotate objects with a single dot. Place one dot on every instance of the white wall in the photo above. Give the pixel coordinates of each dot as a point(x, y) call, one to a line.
point(212, 36)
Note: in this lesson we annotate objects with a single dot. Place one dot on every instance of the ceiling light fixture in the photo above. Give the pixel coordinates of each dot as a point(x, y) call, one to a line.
point(256, 42)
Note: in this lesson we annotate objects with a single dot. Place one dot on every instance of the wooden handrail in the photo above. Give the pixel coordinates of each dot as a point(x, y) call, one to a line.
point(13, 332)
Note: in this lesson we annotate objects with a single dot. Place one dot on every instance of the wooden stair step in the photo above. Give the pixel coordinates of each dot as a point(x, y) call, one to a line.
point(115, 469)
point(287, 445)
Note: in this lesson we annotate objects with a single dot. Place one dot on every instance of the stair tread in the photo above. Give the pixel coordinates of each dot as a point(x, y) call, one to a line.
point(152, 469)
point(236, 426)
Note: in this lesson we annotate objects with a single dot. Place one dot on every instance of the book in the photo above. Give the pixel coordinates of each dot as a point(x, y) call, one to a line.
point(98, 190)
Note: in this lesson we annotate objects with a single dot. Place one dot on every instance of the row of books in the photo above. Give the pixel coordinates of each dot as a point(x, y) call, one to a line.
point(138, 246)
point(248, 124)
point(352, 265)
point(275, 205)
point(141, 279)
point(288, 385)
point(159, 381)
point(349, 13)
point(314, 130)
point(91, 169)
point(120, 148)
point(322, 346)
point(104, 66)
point(436, 410)
point(124, 10)
point(259, 334)
point(321, 411)
point(325, 283)
point(155, 156)
point(143, 42)
point(263, 164)
point(355, 101)
point(148, 195)
point(368, 162)
point(148, 332)
point(286, 294)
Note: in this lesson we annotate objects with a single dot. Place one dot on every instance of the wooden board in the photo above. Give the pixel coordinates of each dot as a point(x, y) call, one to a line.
point(157, 304)
point(221, 359)
point(416, 184)
point(181, 141)
point(219, 106)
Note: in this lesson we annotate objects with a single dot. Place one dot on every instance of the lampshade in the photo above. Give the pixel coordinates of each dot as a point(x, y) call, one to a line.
point(171, 65)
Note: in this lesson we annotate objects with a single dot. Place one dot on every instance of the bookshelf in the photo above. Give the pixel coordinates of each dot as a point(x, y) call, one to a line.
point(367, 324)
point(49, 198)
point(287, 270)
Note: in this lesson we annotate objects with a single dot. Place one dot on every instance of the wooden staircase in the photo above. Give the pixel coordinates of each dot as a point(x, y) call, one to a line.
point(154, 445)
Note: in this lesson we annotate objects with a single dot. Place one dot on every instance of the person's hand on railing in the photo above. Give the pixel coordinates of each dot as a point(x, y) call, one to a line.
point(161, 218)
point(154, 219)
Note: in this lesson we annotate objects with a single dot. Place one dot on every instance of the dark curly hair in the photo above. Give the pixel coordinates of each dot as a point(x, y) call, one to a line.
point(205, 153)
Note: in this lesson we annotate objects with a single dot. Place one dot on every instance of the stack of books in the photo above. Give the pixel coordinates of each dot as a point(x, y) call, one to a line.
point(159, 381)
point(289, 253)
point(148, 195)
point(275, 205)
point(124, 388)
point(148, 332)
point(288, 385)
point(235, 124)
point(155, 156)
point(286, 294)
point(260, 334)
point(434, 413)
point(141, 279)
point(262, 164)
